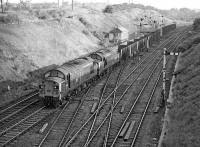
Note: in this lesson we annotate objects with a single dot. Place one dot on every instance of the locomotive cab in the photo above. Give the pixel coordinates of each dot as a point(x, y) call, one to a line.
point(50, 88)
point(99, 60)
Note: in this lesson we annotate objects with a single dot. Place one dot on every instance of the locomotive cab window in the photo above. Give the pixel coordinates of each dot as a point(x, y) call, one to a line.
point(60, 75)
point(95, 56)
point(47, 75)
point(54, 73)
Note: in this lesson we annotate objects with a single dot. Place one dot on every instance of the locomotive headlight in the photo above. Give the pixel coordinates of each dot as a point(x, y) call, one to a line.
point(41, 86)
point(56, 87)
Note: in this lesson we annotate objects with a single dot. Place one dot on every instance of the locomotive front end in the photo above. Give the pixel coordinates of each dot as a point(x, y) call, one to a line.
point(50, 93)
point(50, 89)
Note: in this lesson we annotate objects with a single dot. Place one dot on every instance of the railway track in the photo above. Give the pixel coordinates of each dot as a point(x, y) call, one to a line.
point(16, 111)
point(112, 127)
point(70, 132)
point(63, 122)
point(18, 106)
point(113, 81)
point(138, 110)
point(76, 134)
point(90, 128)
point(118, 93)
point(13, 132)
point(139, 131)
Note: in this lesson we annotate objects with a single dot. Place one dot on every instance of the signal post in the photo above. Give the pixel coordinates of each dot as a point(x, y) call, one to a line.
point(165, 53)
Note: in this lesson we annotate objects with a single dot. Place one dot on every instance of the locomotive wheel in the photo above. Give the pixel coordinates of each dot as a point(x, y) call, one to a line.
point(60, 102)
point(67, 97)
point(55, 104)
point(46, 102)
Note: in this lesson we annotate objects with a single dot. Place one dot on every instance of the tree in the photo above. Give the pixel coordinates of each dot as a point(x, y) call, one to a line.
point(2, 6)
point(108, 9)
point(196, 24)
point(26, 4)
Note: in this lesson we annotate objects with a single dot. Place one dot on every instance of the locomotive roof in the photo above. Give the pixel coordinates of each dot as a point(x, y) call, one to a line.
point(119, 29)
point(79, 61)
point(103, 51)
point(74, 65)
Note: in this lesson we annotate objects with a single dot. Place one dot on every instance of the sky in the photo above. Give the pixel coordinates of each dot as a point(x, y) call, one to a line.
point(161, 4)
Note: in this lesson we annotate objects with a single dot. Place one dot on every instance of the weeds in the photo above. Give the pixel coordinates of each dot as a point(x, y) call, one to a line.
point(9, 18)
point(85, 32)
point(108, 9)
point(184, 114)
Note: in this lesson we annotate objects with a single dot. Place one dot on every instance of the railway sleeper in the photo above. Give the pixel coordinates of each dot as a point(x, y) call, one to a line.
point(130, 129)
point(124, 130)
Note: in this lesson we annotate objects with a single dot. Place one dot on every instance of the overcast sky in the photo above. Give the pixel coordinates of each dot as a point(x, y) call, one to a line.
point(162, 4)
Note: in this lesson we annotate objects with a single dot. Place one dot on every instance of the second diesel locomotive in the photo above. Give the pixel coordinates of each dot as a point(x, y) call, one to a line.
point(75, 75)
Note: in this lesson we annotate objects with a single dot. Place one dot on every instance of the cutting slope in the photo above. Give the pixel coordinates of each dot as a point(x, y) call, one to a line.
point(28, 46)
point(184, 115)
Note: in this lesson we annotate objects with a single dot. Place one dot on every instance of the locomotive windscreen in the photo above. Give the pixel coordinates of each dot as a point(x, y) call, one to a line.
point(95, 56)
point(54, 73)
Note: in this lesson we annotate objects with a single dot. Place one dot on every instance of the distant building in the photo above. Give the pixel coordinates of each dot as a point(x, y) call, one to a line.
point(118, 34)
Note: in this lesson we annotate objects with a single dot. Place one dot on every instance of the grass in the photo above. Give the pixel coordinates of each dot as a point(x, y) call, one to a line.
point(9, 18)
point(185, 112)
point(49, 14)
point(17, 89)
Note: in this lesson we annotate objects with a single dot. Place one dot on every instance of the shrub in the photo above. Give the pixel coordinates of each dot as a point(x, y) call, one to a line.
point(196, 24)
point(108, 9)
point(85, 32)
point(83, 21)
point(10, 18)
point(41, 14)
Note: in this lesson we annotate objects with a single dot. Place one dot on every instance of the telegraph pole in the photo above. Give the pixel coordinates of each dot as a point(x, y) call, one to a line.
point(164, 73)
point(2, 6)
point(108, 2)
point(161, 29)
point(141, 19)
point(72, 5)
point(165, 53)
point(60, 3)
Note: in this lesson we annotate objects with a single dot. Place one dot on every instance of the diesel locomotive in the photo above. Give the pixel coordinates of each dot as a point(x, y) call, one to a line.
point(77, 74)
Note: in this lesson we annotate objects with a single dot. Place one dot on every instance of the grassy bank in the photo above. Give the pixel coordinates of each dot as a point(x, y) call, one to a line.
point(185, 112)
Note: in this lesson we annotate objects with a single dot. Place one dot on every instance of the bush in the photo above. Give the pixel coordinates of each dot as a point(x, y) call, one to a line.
point(85, 32)
point(108, 9)
point(10, 18)
point(57, 13)
point(41, 14)
point(196, 24)
point(187, 44)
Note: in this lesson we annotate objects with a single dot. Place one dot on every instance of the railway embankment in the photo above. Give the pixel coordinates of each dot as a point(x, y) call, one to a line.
point(31, 40)
point(182, 117)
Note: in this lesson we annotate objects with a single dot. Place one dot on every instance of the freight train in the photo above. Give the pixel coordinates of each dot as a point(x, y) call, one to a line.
point(73, 76)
